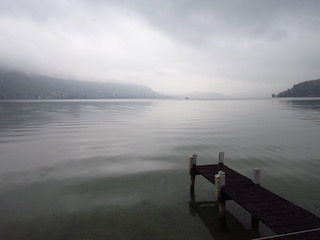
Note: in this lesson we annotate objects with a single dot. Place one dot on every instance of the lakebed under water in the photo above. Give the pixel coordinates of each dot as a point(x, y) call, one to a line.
point(118, 169)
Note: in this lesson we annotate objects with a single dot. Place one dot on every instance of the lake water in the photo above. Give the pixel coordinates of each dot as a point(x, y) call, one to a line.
point(118, 169)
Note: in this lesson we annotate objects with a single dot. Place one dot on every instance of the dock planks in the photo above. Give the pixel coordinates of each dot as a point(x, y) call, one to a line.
point(279, 214)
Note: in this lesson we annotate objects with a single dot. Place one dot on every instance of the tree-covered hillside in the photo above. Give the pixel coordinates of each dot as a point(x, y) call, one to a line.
point(304, 89)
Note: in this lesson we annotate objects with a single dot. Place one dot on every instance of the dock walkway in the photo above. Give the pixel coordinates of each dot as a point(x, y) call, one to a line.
point(279, 214)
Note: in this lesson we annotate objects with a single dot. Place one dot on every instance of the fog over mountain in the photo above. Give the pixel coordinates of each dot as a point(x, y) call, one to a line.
point(240, 48)
point(204, 95)
point(19, 85)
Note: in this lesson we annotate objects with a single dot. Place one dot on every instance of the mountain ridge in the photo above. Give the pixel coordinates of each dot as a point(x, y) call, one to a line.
point(309, 88)
point(19, 85)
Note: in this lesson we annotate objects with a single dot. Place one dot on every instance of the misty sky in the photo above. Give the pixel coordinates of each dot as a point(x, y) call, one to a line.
point(239, 48)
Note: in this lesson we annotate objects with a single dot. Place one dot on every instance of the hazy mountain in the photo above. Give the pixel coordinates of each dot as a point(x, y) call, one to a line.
point(204, 95)
point(251, 94)
point(18, 85)
point(304, 89)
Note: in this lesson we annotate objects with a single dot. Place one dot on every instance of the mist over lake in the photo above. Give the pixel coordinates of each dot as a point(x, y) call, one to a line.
point(118, 169)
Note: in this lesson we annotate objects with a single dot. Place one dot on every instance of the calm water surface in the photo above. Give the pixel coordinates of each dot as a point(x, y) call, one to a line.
point(118, 169)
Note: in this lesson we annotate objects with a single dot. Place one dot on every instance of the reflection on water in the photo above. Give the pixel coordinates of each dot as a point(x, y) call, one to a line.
point(305, 109)
point(220, 229)
point(106, 169)
point(312, 104)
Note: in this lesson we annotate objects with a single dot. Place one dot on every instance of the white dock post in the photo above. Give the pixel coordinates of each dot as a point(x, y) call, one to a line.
point(192, 161)
point(222, 178)
point(221, 158)
point(217, 184)
point(256, 176)
point(220, 182)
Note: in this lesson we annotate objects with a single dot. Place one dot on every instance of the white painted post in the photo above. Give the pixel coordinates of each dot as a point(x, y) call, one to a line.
point(256, 176)
point(217, 184)
point(192, 162)
point(220, 181)
point(221, 158)
point(222, 178)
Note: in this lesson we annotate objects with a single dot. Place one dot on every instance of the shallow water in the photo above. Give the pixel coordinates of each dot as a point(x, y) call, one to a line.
point(118, 168)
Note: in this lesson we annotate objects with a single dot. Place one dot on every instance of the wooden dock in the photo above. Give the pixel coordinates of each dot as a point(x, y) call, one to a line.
point(284, 218)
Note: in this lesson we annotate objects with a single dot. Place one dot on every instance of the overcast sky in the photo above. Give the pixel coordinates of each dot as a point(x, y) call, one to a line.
point(256, 47)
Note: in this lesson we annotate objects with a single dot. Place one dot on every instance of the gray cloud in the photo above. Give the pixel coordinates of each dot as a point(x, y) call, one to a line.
point(181, 45)
point(189, 19)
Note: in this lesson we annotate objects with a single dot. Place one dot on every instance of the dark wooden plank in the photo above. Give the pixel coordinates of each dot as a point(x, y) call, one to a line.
point(309, 235)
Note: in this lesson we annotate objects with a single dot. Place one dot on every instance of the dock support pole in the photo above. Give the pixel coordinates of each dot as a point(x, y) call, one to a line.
point(220, 182)
point(254, 223)
point(256, 180)
point(256, 176)
point(222, 208)
point(217, 184)
point(192, 164)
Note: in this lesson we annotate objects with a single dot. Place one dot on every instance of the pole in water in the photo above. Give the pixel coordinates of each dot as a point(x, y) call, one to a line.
point(221, 158)
point(195, 158)
point(217, 184)
point(256, 180)
point(192, 164)
point(256, 176)
point(222, 208)
point(254, 223)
